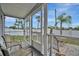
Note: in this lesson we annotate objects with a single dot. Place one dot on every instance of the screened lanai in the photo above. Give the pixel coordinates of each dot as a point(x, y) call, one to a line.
point(25, 13)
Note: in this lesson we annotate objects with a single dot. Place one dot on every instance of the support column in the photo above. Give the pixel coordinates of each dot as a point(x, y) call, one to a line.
point(2, 18)
point(45, 41)
point(3, 25)
point(24, 30)
point(30, 18)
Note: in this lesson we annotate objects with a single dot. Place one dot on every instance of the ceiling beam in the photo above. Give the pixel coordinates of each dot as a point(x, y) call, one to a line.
point(13, 16)
point(1, 9)
point(34, 8)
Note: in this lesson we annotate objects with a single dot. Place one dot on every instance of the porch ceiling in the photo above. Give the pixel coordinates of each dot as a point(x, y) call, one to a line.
point(17, 9)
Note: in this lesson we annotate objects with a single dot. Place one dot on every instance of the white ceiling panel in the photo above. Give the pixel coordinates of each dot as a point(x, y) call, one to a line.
point(17, 9)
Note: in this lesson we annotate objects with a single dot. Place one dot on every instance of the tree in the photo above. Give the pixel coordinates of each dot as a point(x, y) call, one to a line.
point(13, 27)
point(51, 27)
point(38, 20)
point(76, 28)
point(16, 24)
point(22, 24)
point(64, 18)
point(38, 26)
point(19, 23)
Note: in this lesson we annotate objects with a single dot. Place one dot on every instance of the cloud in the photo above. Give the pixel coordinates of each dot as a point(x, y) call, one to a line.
point(62, 9)
point(10, 19)
point(51, 19)
point(67, 4)
point(65, 7)
point(70, 9)
point(51, 12)
point(75, 24)
point(64, 4)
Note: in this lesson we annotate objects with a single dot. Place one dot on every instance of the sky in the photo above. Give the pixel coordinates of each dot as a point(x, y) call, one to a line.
point(70, 9)
point(9, 21)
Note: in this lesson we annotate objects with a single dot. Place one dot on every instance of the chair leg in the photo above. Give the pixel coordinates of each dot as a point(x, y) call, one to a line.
point(5, 52)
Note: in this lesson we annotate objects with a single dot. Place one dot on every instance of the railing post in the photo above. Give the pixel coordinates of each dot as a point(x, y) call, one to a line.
point(24, 29)
point(51, 30)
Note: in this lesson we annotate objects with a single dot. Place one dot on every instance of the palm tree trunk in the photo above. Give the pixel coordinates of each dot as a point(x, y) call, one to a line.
point(55, 20)
point(60, 28)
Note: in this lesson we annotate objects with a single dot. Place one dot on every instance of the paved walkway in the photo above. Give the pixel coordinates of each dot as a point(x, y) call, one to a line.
point(71, 50)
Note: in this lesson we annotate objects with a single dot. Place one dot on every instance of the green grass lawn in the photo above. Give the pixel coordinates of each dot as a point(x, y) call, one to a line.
point(74, 41)
point(17, 38)
point(14, 38)
point(21, 38)
point(71, 41)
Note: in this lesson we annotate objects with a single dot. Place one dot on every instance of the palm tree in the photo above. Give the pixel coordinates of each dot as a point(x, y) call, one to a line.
point(76, 28)
point(64, 18)
point(19, 23)
point(38, 20)
point(22, 24)
point(38, 26)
